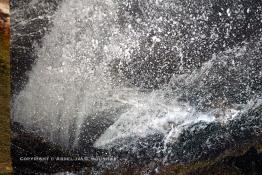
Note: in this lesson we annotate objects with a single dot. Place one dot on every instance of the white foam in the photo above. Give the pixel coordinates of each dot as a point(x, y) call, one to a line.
point(151, 115)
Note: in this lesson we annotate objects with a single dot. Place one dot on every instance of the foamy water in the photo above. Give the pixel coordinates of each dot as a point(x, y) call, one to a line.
point(152, 113)
point(73, 79)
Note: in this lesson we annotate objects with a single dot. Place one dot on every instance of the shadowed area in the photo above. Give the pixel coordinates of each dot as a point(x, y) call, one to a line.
point(5, 160)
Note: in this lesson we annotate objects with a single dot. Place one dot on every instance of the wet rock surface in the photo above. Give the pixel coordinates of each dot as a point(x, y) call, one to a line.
point(199, 143)
point(27, 146)
point(207, 149)
point(219, 51)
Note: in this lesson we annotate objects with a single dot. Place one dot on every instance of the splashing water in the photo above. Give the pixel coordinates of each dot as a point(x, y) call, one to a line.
point(74, 79)
point(151, 115)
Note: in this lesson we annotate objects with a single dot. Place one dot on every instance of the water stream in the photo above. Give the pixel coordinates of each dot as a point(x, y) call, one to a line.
point(108, 62)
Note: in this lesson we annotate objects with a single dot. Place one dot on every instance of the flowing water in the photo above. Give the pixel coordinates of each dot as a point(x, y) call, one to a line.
point(85, 72)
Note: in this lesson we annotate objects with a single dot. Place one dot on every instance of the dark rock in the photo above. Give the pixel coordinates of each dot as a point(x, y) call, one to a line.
point(25, 144)
point(206, 149)
point(94, 126)
point(249, 163)
point(200, 141)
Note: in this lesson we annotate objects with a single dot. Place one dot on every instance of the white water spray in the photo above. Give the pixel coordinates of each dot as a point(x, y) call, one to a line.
point(73, 79)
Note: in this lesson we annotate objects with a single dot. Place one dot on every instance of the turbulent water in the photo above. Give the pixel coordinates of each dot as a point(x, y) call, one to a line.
point(121, 71)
